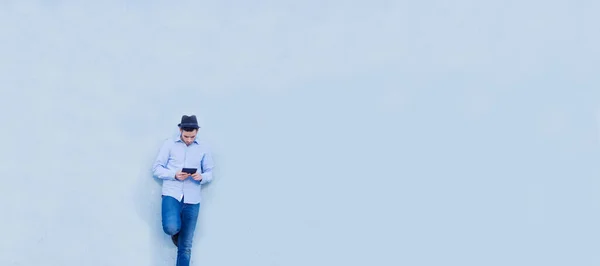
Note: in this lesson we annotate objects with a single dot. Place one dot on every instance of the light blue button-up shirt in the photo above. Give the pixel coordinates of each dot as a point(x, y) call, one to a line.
point(175, 155)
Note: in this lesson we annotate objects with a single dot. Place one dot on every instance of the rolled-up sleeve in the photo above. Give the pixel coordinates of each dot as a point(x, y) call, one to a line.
point(207, 167)
point(159, 168)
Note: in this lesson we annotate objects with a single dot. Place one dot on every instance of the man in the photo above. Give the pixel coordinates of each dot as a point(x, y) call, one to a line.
point(181, 191)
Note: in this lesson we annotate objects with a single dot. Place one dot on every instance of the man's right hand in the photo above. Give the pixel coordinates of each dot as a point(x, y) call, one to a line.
point(181, 176)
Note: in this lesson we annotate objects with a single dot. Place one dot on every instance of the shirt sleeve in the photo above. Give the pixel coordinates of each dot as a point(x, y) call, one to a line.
point(207, 168)
point(159, 168)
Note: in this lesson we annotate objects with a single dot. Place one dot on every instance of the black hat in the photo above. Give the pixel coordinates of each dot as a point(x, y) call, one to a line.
point(188, 122)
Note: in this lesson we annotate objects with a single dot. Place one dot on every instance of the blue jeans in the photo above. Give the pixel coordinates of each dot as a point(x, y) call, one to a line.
point(179, 217)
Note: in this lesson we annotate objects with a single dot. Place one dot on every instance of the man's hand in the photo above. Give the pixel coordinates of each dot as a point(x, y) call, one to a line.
point(181, 176)
point(196, 176)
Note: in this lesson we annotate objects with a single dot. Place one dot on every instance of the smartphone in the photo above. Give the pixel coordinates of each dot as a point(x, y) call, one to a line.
point(190, 171)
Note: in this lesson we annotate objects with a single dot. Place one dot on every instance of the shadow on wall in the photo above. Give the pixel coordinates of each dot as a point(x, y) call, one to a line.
point(148, 206)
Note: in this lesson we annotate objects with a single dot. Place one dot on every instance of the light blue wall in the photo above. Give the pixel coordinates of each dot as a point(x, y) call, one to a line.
point(344, 133)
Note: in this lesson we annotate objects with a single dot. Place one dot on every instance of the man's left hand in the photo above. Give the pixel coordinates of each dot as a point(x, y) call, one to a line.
point(196, 176)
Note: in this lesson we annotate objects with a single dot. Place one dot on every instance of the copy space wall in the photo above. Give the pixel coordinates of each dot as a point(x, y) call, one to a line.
point(344, 132)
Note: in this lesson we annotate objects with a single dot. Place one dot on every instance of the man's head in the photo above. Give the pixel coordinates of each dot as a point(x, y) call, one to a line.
point(188, 135)
point(188, 128)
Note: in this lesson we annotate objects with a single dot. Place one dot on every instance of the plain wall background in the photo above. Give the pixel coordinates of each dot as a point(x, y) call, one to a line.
point(344, 133)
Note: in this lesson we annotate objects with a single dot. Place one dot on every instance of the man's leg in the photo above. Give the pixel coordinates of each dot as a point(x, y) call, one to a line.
point(189, 217)
point(171, 215)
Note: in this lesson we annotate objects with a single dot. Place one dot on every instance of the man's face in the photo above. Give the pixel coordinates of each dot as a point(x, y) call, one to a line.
point(188, 136)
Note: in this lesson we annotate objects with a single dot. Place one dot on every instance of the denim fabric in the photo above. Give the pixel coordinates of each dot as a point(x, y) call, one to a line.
point(180, 217)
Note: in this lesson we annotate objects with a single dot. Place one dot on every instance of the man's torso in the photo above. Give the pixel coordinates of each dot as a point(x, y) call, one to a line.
point(184, 156)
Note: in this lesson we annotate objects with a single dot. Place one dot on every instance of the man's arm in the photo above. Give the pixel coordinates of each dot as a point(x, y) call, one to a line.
point(207, 168)
point(159, 168)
